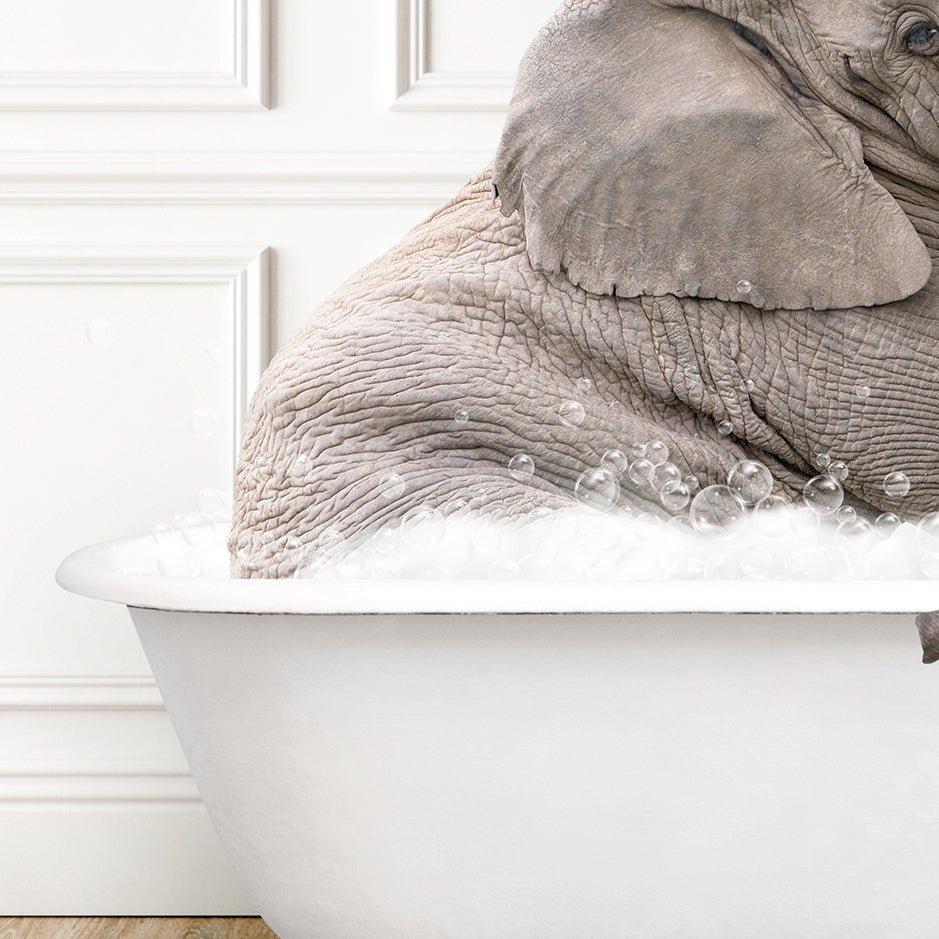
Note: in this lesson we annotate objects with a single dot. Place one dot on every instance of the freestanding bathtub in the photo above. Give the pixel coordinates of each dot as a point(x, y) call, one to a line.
point(553, 761)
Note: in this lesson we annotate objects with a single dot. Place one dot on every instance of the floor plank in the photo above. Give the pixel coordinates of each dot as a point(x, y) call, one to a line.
point(133, 927)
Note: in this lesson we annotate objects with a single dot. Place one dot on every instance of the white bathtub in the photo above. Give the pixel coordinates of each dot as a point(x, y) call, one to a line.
point(553, 761)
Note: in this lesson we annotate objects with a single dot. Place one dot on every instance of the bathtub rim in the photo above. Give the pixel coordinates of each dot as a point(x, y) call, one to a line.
point(93, 572)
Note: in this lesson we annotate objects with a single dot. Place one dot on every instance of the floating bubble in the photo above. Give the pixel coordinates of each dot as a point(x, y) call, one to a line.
point(838, 470)
point(203, 422)
point(656, 453)
point(521, 467)
point(770, 516)
point(863, 390)
point(751, 480)
point(823, 495)
point(572, 413)
point(163, 534)
point(744, 287)
point(615, 461)
point(639, 450)
point(597, 488)
point(460, 416)
point(391, 486)
point(101, 333)
point(197, 529)
point(675, 496)
point(504, 569)
point(897, 485)
point(423, 528)
point(693, 483)
point(887, 523)
point(927, 533)
point(214, 350)
point(749, 385)
point(664, 474)
point(716, 510)
point(757, 563)
point(211, 501)
point(823, 460)
point(846, 513)
point(641, 471)
point(584, 384)
point(301, 467)
point(725, 428)
point(853, 527)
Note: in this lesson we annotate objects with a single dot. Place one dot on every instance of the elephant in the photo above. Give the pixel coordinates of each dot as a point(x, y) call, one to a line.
point(708, 223)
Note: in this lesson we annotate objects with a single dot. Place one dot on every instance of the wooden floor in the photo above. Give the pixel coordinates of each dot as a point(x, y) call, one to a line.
point(132, 927)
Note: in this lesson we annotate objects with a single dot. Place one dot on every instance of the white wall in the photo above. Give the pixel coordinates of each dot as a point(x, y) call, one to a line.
point(181, 182)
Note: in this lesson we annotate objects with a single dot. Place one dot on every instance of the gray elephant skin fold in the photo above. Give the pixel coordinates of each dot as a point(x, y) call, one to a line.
point(723, 214)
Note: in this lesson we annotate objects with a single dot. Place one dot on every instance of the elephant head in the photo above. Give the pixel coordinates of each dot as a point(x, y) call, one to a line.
point(711, 224)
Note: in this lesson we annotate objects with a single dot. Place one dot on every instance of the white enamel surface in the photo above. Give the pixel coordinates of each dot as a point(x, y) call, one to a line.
point(125, 571)
point(550, 777)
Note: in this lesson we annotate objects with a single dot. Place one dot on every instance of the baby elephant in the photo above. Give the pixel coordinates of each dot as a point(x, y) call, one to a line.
point(710, 224)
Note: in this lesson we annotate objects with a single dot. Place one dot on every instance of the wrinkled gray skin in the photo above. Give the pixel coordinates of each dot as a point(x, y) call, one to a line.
point(653, 158)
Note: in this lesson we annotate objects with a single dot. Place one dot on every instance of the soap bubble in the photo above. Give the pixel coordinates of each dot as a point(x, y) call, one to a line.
point(211, 501)
point(838, 470)
point(639, 450)
point(197, 529)
point(675, 496)
point(101, 333)
point(203, 422)
point(846, 513)
point(823, 460)
point(853, 527)
point(664, 474)
point(927, 533)
point(693, 483)
point(423, 528)
point(504, 569)
point(897, 485)
point(656, 453)
point(748, 385)
point(163, 534)
point(460, 416)
point(885, 525)
point(725, 428)
point(572, 413)
point(615, 461)
point(391, 486)
point(771, 517)
point(521, 467)
point(823, 495)
point(751, 480)
point(641, 472)
point(757, 563)
point(597, 488)
point(301, 467)
point(744, 287)
point(715, 510)
point(863, 390)
point(584, 384)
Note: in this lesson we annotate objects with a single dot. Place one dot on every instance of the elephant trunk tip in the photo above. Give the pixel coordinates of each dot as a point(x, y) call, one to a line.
point(928, 626)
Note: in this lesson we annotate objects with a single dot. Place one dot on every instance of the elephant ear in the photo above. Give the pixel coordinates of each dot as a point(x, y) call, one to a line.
point(654, 151)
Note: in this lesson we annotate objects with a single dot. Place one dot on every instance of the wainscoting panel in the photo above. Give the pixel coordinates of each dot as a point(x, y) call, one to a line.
point(182, 183)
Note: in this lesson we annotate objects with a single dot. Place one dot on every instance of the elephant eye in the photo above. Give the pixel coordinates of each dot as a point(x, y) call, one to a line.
point(923, 39)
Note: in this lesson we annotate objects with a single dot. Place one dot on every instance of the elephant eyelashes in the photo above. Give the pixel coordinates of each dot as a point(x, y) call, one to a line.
point(923, 39)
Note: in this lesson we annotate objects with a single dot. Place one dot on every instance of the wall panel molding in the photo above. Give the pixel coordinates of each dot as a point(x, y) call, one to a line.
point(420, 89)
point(79, 693)
point(246, 271)
point(245, 87)
point(347, 178)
